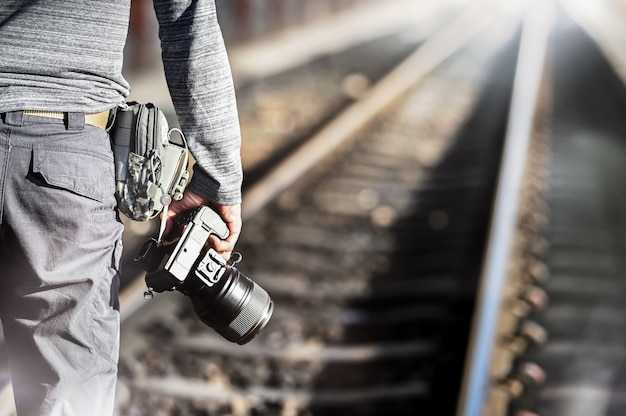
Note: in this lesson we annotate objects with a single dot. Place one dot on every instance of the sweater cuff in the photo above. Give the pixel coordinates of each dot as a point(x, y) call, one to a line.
point(205, 186)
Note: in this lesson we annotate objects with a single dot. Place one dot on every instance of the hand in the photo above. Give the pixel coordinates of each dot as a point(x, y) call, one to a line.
point(231, 214)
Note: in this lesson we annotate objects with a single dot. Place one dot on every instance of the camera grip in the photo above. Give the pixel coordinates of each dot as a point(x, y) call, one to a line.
point(212, 221)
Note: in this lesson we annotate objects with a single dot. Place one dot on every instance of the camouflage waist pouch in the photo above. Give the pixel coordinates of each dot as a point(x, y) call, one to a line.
point(151, 169)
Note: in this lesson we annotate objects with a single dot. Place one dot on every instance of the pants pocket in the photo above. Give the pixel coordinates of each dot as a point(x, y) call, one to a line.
point(104, 313)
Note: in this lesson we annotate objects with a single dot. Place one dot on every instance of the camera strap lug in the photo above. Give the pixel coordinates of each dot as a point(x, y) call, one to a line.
point(235, 258)
point(148, 294)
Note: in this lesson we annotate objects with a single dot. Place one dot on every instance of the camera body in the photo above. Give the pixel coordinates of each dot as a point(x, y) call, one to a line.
point(169, 266)
point(222, 297)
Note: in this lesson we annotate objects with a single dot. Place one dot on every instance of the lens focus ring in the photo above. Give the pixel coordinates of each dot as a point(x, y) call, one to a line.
point(239, 309)
point(253, 316)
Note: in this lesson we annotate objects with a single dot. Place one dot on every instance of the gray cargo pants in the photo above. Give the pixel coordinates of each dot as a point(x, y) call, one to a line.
point(60, 247)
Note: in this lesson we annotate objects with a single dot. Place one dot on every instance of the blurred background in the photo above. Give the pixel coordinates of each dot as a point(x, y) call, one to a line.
point(282, 52)
point(297, 65)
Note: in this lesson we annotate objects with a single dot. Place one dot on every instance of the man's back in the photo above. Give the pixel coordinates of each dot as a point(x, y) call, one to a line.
point(62, 55)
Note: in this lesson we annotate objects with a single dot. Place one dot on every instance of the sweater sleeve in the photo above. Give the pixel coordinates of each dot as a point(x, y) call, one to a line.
point(201, 87)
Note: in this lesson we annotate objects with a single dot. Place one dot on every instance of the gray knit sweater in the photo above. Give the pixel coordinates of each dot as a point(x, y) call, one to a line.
point(68, 55)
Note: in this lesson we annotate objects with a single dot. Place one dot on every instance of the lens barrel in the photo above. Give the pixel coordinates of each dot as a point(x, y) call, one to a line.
point(236, 308)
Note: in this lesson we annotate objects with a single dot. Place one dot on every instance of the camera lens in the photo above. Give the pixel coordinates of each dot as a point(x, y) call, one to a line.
point(236, 308)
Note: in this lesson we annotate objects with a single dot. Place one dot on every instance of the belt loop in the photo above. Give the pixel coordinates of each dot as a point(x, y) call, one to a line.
point(75, 121)
point(14, 118)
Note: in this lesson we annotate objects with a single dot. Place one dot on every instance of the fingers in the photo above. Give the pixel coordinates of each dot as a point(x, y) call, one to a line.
point(230, 214)
point(189, 201)
point(223, 247)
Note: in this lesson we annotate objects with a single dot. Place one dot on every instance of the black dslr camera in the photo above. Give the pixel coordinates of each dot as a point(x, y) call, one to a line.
point(222, 297)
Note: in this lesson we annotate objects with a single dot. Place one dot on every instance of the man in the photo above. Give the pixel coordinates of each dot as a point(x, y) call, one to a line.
point(60, 234)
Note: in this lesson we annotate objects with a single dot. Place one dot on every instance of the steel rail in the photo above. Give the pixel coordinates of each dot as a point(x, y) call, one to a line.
point(536, 30)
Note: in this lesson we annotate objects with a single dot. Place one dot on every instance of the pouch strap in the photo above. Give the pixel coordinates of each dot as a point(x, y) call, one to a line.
point(162, 224)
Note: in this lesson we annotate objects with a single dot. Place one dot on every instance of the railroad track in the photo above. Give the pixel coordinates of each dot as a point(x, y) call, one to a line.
point(583, 356)
point(368, 239)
